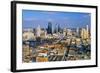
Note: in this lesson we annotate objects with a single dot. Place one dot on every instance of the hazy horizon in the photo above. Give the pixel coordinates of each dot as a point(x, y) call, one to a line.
point(33, 18)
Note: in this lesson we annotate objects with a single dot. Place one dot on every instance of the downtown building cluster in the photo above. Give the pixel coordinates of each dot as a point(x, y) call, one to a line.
point(55, 32)
point(56, 43)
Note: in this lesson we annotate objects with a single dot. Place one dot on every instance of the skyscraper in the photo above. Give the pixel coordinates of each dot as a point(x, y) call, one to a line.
point(38, 31)
point(87, 28)
point(64, 31)
point(56, 29)
point(49, 29)
point(59, 29)
point(77, 31)
point(84, 33)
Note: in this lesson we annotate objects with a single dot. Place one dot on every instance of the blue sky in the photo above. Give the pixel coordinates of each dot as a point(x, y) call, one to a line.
point(33, 18)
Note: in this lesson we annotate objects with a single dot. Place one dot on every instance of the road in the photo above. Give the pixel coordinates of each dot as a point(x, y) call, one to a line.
point(55, 57)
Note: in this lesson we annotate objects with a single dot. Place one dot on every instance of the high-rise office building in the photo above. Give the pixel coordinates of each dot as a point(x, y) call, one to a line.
point(85, 33)
point(59, 29)
point(87, 28)
point(49, 29)
point(77, 31)
point(64, 31)
point(38, 31)
point(56, 29)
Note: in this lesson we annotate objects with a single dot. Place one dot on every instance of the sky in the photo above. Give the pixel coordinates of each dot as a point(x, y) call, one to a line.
point(33, 18)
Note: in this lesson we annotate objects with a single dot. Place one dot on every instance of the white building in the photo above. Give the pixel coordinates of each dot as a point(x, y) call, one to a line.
point(28, 35)
point(84, 33)
point(64, 31)
point(38, 31)
point(77, 31)
point(87, 28)
point(69, 32)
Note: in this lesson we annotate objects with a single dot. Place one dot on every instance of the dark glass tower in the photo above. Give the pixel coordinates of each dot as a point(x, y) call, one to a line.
point(59, 29)
point(49, 29)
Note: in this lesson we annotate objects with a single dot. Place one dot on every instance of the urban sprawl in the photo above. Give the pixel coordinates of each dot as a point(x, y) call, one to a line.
point(56, 44)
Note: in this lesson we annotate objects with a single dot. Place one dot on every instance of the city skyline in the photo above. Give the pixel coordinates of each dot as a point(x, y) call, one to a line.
point(48, 38)
point(33, 18)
